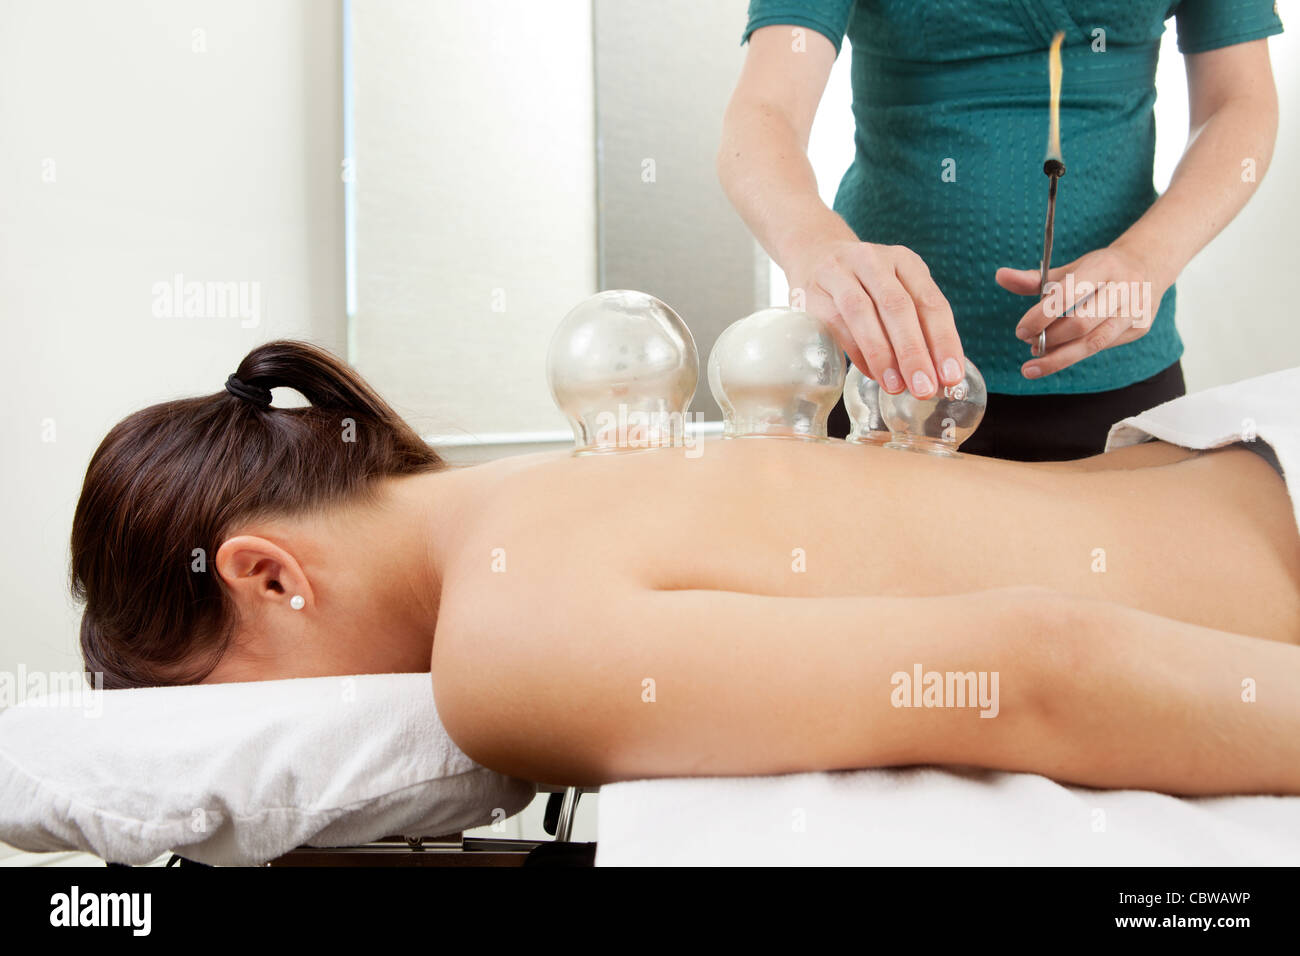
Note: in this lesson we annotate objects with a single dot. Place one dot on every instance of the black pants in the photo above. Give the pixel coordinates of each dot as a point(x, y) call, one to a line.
point(1054, 427)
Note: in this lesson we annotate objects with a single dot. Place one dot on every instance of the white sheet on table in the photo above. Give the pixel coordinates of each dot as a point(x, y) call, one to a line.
point(928, 816)
point(1264, 408)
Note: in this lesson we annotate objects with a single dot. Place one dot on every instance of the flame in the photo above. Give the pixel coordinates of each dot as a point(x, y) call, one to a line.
point(1054, 76)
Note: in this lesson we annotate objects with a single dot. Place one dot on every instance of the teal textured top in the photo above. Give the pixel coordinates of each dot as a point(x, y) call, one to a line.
point(961, 86)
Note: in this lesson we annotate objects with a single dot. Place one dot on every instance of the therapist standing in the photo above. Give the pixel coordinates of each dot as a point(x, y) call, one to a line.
point(933, 246)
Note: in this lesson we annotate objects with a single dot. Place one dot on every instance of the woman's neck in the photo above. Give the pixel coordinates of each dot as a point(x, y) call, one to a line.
point(416, 533)
point(414, 530)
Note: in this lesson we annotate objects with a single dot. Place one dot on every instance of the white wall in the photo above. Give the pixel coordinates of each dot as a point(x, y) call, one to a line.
point(220, 163)
point(1235, 308)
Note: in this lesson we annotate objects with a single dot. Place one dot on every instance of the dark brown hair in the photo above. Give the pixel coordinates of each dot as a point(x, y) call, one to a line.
point(180, 476)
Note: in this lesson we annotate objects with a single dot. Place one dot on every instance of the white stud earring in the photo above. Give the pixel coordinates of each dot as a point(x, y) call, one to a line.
point(297, 602)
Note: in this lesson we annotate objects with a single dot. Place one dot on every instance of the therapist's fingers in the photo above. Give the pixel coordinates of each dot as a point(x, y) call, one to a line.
point(1046, 311)
point(844, 339)
point(1061, 297)
point(1111, 331)
point(1060, 330)
point(937, 322)
point(877, 272)
point(863, 327)
point(1071, 327)
point(1051, 311)
point(821, 305)
point(1019, 281)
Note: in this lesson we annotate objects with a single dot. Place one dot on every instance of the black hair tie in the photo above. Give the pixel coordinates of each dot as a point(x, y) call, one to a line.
point(259, 396)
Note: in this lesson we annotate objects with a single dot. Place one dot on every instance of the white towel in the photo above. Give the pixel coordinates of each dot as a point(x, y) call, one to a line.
point(927, 816)
point(239, 773)
point(1265, 408)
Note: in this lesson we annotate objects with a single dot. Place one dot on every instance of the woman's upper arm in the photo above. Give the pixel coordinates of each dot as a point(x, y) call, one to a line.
point(785, 76)
point(1240, 71)
point(632, 682)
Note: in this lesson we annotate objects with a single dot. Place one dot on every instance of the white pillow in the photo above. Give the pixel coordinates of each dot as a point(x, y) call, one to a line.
point(237, 774)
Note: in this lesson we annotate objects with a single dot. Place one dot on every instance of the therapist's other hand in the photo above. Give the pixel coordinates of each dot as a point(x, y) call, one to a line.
point(885, 311)
point(1100, 300)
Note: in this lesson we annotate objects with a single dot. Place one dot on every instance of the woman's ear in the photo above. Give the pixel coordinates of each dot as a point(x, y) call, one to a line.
point(257, 570)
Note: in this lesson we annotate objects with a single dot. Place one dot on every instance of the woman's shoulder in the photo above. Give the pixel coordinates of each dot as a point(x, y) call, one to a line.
point(528, 543)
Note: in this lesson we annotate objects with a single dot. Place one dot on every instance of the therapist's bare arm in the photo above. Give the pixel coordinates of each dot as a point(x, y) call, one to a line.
point(879, 301)
point(647, 683)
point(1232, 129)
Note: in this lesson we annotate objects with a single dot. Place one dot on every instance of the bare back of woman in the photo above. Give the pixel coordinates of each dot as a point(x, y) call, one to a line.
point(657, 614)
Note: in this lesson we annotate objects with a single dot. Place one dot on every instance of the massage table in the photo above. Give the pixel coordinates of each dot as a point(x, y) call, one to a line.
point(320, 771)
point(323, 771)
point(282, 773)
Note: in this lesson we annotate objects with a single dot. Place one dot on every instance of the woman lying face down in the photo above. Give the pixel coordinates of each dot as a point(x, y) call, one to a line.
point(1125, 621)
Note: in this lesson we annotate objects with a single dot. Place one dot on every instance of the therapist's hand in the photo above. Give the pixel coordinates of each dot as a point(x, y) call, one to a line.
point(1106, 298)
point(885, 311)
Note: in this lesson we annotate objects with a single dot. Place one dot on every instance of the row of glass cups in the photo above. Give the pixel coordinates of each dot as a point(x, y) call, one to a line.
point(623, 367)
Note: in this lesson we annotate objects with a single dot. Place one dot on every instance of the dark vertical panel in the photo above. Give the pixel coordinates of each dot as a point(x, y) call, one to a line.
point(664, 72)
